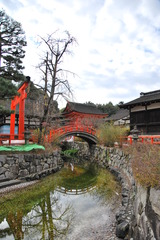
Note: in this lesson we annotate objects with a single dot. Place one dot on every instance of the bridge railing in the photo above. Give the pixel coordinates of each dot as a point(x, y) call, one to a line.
point(69, 129)
point(75, 191)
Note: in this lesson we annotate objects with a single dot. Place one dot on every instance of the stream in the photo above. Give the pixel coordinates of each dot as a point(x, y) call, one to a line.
point(76, 203)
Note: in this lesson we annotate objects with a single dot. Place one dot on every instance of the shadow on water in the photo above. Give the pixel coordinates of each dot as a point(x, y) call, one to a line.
point(49, 210)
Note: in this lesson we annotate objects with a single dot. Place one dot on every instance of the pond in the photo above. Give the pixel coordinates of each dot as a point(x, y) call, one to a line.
point(78, 202)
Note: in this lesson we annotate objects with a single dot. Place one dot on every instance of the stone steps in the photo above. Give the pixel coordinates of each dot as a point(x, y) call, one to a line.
point(8, 183)
point(4, 179)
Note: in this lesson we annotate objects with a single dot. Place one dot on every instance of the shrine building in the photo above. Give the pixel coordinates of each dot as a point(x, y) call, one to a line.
point(82, 114)
point(145, 112)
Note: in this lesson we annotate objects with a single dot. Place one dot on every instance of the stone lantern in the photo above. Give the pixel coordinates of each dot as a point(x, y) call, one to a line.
point(27, 136)
point(135, 132)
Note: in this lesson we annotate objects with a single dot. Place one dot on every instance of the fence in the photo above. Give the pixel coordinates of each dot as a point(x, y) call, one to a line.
point(146, 139)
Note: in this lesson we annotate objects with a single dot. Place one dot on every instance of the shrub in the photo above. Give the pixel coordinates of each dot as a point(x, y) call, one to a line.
point(108, 134)
point(50, 143)
point(70, 152)
point(146, 164)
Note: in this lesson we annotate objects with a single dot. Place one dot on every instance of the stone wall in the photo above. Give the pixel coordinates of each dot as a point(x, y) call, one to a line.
point(139, 215)
point(28, 166)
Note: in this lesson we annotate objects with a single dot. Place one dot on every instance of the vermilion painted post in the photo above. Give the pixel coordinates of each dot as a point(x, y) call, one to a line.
point(21, 116)
point(130, 140)
point(12, 121)
point(21, 101)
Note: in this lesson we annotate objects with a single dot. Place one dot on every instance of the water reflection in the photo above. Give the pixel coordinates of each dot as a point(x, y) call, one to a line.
point(60, 207)
point(48, 219)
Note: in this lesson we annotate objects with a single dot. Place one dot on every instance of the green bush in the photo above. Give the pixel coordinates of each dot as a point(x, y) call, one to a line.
point(108, 134)
point(70, 152)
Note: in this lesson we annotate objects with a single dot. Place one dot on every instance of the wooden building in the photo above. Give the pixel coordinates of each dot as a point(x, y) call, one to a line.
point(145, 112)
point(80, 114)
point(121, 117)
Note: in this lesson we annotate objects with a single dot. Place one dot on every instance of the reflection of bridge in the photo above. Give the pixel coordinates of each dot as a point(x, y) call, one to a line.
point(75, 191)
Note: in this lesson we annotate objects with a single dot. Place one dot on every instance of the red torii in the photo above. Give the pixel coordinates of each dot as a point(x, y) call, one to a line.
point(21, 101)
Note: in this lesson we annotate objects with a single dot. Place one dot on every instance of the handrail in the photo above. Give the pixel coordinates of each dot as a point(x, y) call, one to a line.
point(146, 139)
point(69, 129)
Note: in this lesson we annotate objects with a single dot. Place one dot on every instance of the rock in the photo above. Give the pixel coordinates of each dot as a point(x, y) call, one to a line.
point(14, 169)
point(140, 208)
point(24, 165)
point(33, 169)
point(122, 229)
point(10, 175)
point(155, 200)
point(2, 170)
point(28, 158)
point(39, 168)
point(2, 159)
point(23, 173)
point(46, 166)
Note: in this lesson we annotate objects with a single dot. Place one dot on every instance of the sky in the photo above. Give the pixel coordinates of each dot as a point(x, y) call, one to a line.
point(118, 52)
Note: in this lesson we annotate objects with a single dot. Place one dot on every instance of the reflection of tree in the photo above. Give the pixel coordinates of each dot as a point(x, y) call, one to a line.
point(15, 222)
point(48, 219)
point(107, 188)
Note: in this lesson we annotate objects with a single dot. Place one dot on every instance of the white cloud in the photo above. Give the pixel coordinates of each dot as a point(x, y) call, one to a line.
point(118, 55)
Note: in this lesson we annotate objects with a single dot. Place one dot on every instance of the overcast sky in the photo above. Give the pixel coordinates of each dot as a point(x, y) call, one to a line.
point(118, 51)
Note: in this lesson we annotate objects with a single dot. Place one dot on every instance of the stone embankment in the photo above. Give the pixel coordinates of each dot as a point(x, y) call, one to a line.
point(28, 166)
point(139, 215)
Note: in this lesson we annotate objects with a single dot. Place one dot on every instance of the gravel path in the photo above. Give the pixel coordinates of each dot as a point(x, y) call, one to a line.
point(16, 187)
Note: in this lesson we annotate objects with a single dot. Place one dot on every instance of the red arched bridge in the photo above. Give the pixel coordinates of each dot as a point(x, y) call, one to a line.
point(85, 132)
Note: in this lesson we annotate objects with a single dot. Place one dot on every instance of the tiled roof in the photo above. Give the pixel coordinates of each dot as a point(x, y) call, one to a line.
point(144, 99)
point(82, 108)
point(121, 114)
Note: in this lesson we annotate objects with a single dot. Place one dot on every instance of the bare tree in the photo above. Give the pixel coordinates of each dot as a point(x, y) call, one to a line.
point(55, 81)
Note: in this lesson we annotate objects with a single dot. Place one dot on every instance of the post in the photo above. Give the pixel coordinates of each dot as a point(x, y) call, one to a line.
point(12, 120)
point(21, 115)
point(27, 136)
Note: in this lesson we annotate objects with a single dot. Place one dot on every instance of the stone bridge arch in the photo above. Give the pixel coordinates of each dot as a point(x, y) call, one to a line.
point(91, 139)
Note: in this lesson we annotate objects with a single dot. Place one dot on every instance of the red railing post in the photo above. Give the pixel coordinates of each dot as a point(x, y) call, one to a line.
point(130, 140)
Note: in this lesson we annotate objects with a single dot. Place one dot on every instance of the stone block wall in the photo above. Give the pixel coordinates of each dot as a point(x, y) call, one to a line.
point(28, 166)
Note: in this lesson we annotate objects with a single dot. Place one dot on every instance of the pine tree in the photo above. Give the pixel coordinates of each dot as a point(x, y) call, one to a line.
point(12, 41)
